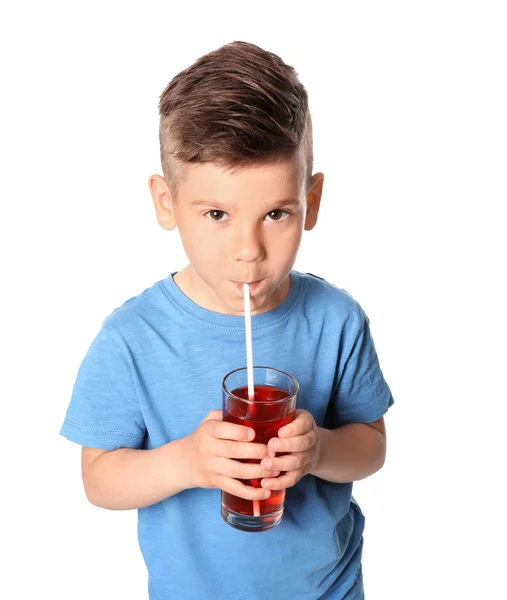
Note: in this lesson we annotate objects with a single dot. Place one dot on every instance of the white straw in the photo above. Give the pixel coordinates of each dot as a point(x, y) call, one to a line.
point(249, 365)
point(248, 334)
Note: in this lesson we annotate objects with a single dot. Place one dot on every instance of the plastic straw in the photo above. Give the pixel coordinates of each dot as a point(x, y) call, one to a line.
point(249, 365)
point(248, 337)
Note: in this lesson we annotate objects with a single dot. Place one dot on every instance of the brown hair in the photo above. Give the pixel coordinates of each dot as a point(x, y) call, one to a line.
point(236, 106)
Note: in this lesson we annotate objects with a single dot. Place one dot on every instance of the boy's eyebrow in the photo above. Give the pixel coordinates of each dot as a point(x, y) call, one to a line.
point(286, 202)
point(215, 203)
point(209, 202)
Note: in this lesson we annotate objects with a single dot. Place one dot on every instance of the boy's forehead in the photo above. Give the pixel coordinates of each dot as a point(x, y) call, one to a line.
point(214, 181)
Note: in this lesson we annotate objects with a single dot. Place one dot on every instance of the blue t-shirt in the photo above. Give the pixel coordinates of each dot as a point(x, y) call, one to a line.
point(153, 373)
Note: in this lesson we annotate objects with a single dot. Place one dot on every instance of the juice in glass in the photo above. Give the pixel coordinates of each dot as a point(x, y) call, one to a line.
point(273, 406)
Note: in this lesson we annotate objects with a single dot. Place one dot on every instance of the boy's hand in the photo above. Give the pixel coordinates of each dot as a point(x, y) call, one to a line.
point(209, 454)
point(301, 440)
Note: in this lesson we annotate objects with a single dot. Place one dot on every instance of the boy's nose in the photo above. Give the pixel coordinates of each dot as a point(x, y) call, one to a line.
point(248, 245)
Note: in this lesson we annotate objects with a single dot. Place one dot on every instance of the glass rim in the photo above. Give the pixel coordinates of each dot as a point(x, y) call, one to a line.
point(289, 397)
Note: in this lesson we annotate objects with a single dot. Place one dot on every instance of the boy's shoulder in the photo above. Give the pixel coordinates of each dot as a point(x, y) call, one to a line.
point(325, 296)
point(140, 310)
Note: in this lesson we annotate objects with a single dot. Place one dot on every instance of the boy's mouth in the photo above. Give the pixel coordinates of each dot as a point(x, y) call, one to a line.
point(253, 285)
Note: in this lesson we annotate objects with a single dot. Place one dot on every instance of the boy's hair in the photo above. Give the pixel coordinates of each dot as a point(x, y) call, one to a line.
point(236, 106)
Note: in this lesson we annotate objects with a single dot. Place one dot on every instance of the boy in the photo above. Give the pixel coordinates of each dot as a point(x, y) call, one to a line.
point(236, 151)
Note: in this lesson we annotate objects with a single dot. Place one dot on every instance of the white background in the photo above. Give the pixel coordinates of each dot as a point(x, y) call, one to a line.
point(409, 108)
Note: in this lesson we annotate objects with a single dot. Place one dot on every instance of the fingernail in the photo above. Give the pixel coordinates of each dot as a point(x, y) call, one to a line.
point(271, 454)
point(267, 464)
point(275, 473)
point(251, 434)
point(267, 494)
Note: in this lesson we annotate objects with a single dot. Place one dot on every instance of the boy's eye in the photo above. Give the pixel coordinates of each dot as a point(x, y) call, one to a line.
point(216, 215)
point(277, 215)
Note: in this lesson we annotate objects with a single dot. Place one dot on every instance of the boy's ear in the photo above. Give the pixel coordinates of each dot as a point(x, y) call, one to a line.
point(313, 201)
point(163, 202)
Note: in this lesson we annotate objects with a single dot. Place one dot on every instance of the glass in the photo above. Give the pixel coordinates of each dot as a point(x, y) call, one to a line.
point(273, 406)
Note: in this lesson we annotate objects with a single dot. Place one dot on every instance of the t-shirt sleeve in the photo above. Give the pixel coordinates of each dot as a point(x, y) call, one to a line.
point(361, 393)
point(104, 411)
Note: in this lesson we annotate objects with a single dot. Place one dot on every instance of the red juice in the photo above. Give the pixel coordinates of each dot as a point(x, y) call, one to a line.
point(265, 416)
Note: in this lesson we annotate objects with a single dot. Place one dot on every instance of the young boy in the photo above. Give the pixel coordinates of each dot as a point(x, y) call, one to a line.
point(236, 151)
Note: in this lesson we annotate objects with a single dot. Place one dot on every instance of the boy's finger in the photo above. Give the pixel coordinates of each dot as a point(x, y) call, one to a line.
point(289, 462)
point(215, 415)
point(248, 471)
point(232, 449)
point(300, 443)
point(303, 423)
point(231, 431)
point(237, 488)
point(281, 483)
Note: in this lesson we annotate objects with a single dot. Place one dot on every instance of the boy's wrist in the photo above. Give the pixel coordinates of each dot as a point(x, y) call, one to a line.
point(322, 433)
point(175, 471)
point(183, 465)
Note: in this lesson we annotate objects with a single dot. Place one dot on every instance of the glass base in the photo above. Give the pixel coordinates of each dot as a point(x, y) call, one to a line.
point(250, 523)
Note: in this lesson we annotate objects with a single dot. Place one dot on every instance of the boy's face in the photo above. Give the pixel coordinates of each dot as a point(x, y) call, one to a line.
point(238, 226)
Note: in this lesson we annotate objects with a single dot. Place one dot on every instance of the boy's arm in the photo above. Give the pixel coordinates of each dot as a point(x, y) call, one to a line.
point(129, 478)
point(351, 452)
